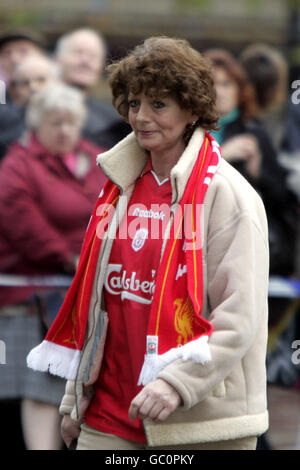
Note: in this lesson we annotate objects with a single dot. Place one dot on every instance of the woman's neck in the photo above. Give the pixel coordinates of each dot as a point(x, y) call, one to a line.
point(163, 164)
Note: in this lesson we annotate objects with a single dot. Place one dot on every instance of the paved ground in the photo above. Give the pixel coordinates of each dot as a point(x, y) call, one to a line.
point(284, 411)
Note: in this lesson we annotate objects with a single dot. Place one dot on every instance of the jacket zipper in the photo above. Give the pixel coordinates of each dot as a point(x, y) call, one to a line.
point(97, 295)
point(94, 322)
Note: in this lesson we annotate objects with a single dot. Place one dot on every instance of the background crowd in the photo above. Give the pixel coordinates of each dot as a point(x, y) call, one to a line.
point(52, 126)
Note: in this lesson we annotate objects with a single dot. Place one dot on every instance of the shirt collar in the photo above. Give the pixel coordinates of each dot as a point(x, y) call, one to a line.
point(148, 167)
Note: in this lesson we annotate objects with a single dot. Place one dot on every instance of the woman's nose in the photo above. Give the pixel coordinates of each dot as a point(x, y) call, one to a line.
point(64, 129)
point(143, 114)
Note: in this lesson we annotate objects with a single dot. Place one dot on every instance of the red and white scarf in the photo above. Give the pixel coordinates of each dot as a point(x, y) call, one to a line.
point(176, 327)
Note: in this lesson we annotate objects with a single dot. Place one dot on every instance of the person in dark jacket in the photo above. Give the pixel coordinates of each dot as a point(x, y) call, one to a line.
point(81, 56)
point(15, 46)
point(11, 125)
point(291, 136)
point(247, 146)
point(48, 186)
point(32, 74)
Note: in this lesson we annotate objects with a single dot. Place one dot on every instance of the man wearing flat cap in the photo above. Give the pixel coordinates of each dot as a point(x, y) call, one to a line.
point(14, 46)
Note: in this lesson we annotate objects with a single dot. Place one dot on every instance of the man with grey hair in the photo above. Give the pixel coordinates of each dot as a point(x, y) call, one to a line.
point(80, 56)
point(33, 74)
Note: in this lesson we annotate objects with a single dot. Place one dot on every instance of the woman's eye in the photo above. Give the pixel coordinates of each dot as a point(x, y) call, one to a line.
point(159, 104)
point(133, 103)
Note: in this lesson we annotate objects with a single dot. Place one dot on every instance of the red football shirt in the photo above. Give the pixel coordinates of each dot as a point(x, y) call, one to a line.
point(129, 287)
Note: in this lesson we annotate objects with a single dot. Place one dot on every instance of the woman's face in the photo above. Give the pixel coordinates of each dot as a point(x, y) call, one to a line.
point(227, 91)
point(59, 132)
point(158, 123)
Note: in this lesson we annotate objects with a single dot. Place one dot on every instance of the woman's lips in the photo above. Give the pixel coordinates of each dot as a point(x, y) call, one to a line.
point(146, 133)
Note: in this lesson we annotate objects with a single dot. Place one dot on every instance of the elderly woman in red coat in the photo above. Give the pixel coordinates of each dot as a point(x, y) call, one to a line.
point(48, 187)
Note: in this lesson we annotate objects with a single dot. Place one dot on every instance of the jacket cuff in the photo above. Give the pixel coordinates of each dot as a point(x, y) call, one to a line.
point(179, 387)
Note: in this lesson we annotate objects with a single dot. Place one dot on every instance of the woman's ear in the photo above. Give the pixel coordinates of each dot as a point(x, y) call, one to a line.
point(194, 119)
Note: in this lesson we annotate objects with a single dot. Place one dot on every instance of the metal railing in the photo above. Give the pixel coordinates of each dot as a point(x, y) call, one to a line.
point(278, 286)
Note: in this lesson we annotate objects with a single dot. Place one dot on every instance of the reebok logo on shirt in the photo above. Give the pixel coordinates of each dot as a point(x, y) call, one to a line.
point(148, 214)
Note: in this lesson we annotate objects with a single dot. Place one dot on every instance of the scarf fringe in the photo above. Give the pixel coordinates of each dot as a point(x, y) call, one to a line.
point(56, 359)
point(196, 350)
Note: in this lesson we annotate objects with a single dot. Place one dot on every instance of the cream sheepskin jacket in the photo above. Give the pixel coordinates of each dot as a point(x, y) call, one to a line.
point(226, 397)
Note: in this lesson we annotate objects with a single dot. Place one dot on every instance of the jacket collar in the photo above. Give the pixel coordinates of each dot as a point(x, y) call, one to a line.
point(124, 163)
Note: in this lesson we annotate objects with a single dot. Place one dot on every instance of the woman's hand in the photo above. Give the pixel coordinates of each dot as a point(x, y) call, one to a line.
point(243, 147)
point(70, 429)
point(157, 401)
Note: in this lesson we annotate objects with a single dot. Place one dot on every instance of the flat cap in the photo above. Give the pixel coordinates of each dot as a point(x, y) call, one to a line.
point(11, 35)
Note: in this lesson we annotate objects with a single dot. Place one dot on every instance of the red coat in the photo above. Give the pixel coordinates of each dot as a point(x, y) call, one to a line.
point(44, 211)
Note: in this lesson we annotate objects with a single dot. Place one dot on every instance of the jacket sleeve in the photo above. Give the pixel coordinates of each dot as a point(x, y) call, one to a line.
point(23, 221)
point(237, 276)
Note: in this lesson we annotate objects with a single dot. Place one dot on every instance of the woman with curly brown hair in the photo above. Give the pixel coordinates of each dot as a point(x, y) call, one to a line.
point(162, 335)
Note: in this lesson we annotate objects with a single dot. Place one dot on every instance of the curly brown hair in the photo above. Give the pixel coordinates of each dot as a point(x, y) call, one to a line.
point(163, 66)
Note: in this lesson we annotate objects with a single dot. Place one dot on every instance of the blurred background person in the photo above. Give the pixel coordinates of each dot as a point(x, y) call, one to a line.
point(247, 146)
point(267, 71)
point(80, 56)
point(32, 74)
point(48, 187)
point(15, 46)
point(276, 108)
point(291, 134)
